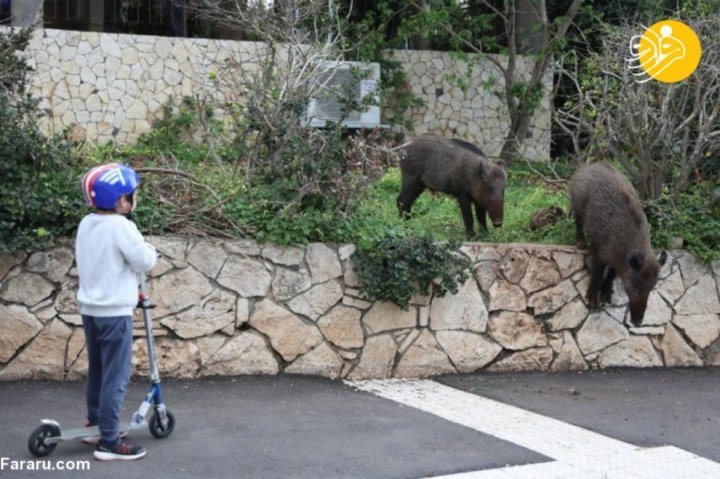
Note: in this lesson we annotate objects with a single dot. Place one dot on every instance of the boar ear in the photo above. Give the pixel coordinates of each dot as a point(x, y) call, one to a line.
point(662, 258)
point(636, 262)
point(502, 165)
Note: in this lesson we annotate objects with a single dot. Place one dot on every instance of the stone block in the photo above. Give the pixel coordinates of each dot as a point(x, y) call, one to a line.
point(207, 257)
point(170, 247)
point(44, 358)
point(516, 331)
point(247, 277)
point(552, 299)
point(506, 296)
point(600, 331)
point(671, 288)
point(289, 283)
point(569, 316)
point(464, 310)
point(568, 263)
point(535, 359)
point(377, 360)
point(322, 262)
point(18, 327)
point(658, 312)
point(467, 351)
point(178, 290)
point(701, 298)
point(8, 262)
point(321, 361)
point(212, 313)
point(384, 316)
point(317, 300)
point(540, 274)
point(176, 358)
point(26, 288)
point(514, 264)
point(285, 256)
point(569, 357)
point(676, 351)
point(701, 329)
point(342, 327)
point(289, 335)
point(423, 359)
point(633, 352)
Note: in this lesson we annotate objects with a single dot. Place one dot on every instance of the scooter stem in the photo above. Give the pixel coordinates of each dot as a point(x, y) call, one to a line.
point(146, 307)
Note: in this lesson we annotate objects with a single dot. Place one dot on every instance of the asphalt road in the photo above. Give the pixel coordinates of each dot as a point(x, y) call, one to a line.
point(303, 427)
point(645, 407)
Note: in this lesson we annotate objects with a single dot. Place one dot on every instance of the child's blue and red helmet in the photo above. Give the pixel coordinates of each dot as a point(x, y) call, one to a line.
point(105, 184)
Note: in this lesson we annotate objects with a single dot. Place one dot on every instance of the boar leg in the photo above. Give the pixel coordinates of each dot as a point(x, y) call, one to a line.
point(467, 216)
point(481, 217)
point(579, 232)
point(606, 288)
point(408, 194)
point(597, 269)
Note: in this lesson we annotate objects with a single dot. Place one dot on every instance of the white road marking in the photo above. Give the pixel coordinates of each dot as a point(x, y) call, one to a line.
point(656, 463)
point(578, 452)
point(544, 470)
point(547, 436)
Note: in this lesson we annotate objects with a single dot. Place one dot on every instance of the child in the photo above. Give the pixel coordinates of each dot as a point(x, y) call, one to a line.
point(109, 252)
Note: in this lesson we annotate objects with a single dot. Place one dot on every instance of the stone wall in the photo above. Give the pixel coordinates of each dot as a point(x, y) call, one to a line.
point(238, 307)
point(112, 86)
point(477, 114)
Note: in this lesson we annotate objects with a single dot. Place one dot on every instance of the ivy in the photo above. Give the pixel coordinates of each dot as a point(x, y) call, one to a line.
point(395, 269)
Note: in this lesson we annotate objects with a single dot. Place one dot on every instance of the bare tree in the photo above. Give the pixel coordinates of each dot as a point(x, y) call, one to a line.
point(271, 81)
point(661, 133)
point(267, 87)
point(521, 94)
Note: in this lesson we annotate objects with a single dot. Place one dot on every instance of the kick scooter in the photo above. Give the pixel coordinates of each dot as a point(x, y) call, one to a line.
point(49, 434)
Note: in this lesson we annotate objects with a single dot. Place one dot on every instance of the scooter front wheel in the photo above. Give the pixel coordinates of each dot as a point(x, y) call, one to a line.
point(157, 429)
point(36, 443)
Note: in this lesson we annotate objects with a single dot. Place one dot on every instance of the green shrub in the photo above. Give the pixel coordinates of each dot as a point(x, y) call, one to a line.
point(40, 197)
point(181, 131)
point(394, 269)
point(691, 219)
point(260, 214)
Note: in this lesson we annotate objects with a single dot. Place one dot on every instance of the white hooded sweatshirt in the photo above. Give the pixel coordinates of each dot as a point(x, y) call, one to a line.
point(110, 252)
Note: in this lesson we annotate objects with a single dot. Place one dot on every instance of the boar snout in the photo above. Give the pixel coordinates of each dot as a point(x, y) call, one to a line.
point(637, 310)
point(496, 213)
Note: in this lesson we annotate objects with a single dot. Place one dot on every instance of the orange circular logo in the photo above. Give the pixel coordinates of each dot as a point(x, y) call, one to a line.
point(669, 51)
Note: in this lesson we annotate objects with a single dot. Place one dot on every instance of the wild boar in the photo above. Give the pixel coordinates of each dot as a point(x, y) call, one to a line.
point(458, 168)
point(606, 208)
point(546, 217)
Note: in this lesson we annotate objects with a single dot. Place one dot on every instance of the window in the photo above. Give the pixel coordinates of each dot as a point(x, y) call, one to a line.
point(177, 18)
point(5, 12)
point(148, 17)
point(66, 14)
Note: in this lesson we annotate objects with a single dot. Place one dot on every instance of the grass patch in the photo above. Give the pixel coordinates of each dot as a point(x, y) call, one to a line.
point(439, 215)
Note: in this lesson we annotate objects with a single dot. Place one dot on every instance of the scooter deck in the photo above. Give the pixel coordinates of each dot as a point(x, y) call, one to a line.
point(81, 433)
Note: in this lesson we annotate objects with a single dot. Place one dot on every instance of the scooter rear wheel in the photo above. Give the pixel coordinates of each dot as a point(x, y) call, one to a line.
point(36, 443)
point(156, 427)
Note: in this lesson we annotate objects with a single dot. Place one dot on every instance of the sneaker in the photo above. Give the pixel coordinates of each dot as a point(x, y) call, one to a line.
point(95, 440)
point(122, 451)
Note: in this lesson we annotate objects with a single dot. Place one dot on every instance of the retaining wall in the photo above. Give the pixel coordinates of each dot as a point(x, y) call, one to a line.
point(239, 307)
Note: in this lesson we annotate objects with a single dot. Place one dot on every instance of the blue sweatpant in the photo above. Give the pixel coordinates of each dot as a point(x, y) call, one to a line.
point(109, 349)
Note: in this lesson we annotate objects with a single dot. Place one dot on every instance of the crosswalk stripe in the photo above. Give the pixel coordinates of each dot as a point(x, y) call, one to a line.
point(656, 463)
point(577, 452)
